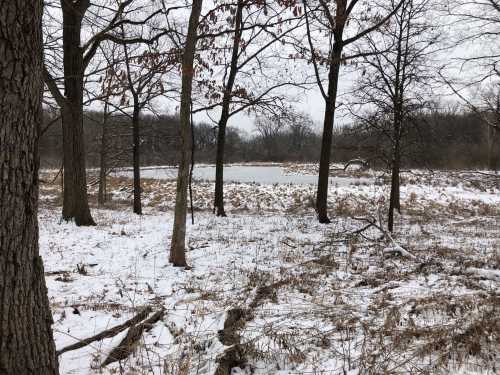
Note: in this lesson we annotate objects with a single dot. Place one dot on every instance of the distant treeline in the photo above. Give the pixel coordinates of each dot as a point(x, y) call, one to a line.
point(437, 140)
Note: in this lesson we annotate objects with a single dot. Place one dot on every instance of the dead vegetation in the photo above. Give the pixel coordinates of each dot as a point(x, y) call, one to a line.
point(298, 296)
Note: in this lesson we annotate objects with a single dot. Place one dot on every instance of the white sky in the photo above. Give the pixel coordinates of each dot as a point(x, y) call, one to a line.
point(312, 103)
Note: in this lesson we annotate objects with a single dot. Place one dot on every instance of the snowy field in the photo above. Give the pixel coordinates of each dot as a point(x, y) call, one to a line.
point(271, 291)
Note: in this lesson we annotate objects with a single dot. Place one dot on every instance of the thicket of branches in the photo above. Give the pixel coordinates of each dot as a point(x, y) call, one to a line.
point(441, 139)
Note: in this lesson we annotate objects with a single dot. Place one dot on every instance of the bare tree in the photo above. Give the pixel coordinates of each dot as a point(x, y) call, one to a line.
point(143, 78)
point(479, 32)
point(395, 79)
point(109, 89)
point(178, 245)
point(332, 18)
point(300, 127)
point(240, 40)
point(26, 342)
point(491, 115)
point(77, 55)
point(269, 128)
point(477, 24)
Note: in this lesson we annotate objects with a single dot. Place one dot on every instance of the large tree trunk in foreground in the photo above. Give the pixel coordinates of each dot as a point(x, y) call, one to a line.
point(26, 343)
point(178, 246)
point(75, 201)
point(326, 142)
point(226, 102)
point(136, 161)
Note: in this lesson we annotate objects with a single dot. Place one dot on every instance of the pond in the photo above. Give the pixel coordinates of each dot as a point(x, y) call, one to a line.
point(266, 175)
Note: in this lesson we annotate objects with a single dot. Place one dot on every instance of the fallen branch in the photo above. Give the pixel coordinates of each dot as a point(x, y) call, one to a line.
point(55, 273)
point(492, 275)
point(127, 345)
point(107, 333)
point(372, 222)
point(396, 249)
point(362, 163)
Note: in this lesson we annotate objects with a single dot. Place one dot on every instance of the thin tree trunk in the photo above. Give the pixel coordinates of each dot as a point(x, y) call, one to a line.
point(326, 142)
point(75, 200)
point(136, 161)
point(226, 101)
point(26, 342)
point(103, 167)
point(394, 199)
point(219, 167)
point(178, 246)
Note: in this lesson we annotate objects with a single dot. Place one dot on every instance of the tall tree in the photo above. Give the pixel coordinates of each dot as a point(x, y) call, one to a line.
point(77, 54)
point(332, 18)
point(245, 54)
point(143, 75)
point(491, 117)
point(397, 68)
point(26, 342)
point(477, 24)
point(226, 101)
point(178, 245)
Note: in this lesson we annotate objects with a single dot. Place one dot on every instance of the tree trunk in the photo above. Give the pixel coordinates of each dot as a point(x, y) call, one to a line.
point(394, 200)
point(26, 342)
point(219, 165)
point(226, 101)
point(103, 167)
point(75, 201)
point(136, 161)
point(326, 142)
point(178, 246)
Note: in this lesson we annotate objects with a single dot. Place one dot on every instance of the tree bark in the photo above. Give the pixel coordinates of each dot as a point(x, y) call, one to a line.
point(103, 167)
point(326, 141)
point(178, 245)
point(75, 201)
point(136, 157)
point(394, 200)
point(226, 102)
point(26, 342)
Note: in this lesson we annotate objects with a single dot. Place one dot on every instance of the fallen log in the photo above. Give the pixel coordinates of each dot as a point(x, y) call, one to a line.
point(107, 333)
point(127, 345)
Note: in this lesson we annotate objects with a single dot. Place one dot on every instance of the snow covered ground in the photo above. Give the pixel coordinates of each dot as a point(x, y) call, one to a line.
point(274, 292)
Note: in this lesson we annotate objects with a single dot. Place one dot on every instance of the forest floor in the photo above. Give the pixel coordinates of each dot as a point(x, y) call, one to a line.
point(271, 291)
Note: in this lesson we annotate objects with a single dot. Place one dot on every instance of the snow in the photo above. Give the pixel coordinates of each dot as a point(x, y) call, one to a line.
point(341, 304)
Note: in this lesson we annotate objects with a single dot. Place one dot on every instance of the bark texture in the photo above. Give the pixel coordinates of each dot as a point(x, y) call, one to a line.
point(26, 342)
point(136, 157)
point(394, 199)
point(75, 201)
point(326, 141)
point(226, 102)
point(136, 136)
point(103, 162)
point(178, 245)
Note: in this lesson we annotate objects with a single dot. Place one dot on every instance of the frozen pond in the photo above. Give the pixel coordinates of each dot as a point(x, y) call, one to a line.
point(265, 175)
